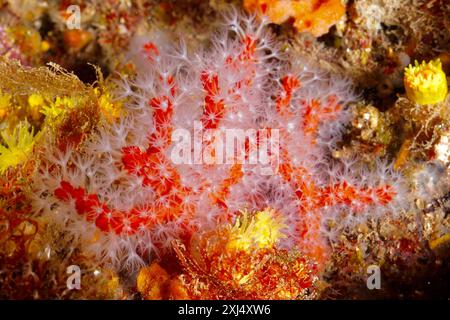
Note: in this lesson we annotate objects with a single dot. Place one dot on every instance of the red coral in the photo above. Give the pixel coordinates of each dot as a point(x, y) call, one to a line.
point(174, 201)
point(312, 197)
point(214, 108)
point(150, 50)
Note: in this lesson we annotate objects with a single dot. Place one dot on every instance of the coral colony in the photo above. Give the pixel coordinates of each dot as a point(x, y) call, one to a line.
point(126, 190)
point(235, 168)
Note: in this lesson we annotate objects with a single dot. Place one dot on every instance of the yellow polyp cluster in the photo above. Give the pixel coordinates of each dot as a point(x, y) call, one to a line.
point(109, 109)
point(35, 100)
point(35, 103)
point(54, 110)
point(17, 146)
point(426, 83)
point(263, 230)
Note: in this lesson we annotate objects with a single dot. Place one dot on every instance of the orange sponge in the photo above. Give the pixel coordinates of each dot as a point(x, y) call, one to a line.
point(314, 16)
